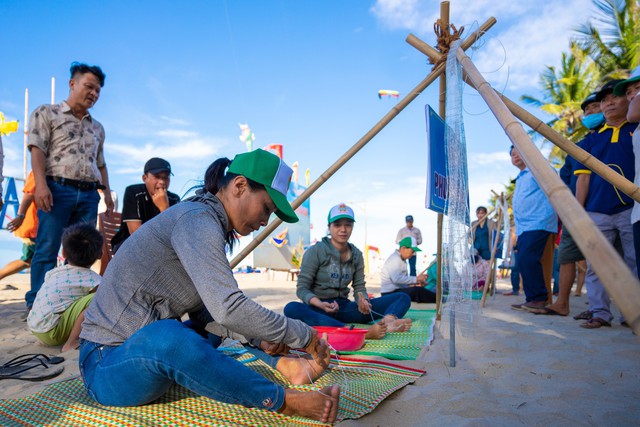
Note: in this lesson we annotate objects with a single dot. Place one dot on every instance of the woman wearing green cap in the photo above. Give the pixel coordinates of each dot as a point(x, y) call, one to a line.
point(133, 346)
point(327, 270)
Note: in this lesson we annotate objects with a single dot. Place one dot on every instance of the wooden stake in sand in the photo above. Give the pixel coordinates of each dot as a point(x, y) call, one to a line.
point(618, 280)
point(490, 280)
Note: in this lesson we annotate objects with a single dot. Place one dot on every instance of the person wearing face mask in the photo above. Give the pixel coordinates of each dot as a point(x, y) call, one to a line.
point(569, 255)
point(144, 201)
point(609, 208)
point(631, 89)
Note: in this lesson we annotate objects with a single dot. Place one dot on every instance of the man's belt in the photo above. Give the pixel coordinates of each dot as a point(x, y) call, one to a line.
point(80, 185)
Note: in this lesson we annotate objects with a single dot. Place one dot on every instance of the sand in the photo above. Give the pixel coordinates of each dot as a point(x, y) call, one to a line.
point(515, 368)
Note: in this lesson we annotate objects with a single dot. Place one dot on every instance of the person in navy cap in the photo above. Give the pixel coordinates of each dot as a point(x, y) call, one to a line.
point(410, 231)
point(144, 201)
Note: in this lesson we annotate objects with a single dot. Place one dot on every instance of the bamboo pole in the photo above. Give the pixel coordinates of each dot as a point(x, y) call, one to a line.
point(395, 110)
point(616, 277)
point(608, 174)
point(53, 90)
point(442, 108)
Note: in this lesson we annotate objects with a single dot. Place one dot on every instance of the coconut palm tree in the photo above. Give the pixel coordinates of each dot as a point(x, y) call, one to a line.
point(612, 37)
point(563, 91)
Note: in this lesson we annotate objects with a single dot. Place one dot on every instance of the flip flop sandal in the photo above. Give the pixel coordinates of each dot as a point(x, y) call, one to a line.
point(26, 358)
point(33, 372)
point(585, 315)
point(595, 323)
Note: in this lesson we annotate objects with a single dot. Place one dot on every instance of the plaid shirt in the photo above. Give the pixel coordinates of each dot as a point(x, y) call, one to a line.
point(72, 147)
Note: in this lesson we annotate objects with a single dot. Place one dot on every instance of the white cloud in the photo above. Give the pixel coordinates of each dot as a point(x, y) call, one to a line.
point(177, 133)
point(483, 159)
point(530, 34)
point(195, 148)
point(174, 121)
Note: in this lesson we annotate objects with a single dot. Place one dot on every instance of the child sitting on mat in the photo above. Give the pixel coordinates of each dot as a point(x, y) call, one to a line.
point(58, 310)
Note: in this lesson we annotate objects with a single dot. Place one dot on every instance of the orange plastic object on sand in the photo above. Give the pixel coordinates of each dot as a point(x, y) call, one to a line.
point(343, 339)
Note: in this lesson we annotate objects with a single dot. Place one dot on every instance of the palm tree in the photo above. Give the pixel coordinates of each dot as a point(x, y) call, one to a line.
point(612, 38)
point(563, 91)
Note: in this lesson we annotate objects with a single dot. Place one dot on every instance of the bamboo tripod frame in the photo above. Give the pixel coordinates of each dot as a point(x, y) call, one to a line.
point(435, 73)
point(608, 174)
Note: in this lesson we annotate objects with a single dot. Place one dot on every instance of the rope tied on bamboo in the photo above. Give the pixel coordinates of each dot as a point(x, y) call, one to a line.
point(445, 38)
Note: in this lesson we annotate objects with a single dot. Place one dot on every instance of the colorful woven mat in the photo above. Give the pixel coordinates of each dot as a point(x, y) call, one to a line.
point(402, 345)
point(364, 384)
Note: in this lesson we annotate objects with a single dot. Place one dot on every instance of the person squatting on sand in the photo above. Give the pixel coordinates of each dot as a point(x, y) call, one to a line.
point(133, 346)
point(59, 308)
point(394, 279)
point(327, 269)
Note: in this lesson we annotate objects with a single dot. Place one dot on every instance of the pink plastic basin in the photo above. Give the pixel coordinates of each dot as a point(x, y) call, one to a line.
point(343, 339)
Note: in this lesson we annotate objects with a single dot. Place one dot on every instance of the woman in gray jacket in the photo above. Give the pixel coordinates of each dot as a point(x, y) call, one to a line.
point(133, 346)
point(327, 269)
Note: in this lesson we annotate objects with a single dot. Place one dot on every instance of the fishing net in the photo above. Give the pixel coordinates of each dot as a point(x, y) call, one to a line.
point(457, 269)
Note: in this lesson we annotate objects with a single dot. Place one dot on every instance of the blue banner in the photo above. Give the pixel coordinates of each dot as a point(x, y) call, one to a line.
point(437, 191)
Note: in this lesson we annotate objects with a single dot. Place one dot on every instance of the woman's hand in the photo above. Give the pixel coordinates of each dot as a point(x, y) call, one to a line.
point(319, 349)
point(364, 306)
point(274, 348)
point(327, 307)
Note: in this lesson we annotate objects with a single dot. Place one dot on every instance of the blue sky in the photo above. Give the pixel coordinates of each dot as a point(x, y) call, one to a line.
point(181, 76)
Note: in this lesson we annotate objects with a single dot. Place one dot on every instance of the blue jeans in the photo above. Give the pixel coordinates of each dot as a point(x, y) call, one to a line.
point(396, 304)
point(416, 293)
point(70, 206)
point(531, 246)
point(636, 243)
point(412, 265)
point(515, 274)
point(168, 352)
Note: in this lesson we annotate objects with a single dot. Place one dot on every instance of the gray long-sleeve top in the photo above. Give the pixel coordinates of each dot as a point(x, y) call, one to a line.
point(394, 274)
point(323, 275)
point(176, 264)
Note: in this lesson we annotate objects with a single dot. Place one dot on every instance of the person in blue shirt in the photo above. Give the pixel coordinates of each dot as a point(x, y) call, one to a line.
point(536, 222)
point(568, 252)
point(608, 207)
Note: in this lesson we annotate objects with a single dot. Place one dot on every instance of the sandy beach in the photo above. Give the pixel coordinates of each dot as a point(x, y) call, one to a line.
point(514, 368)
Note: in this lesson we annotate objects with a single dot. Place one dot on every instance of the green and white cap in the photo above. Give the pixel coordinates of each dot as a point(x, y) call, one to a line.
point(410, 242)
point(269, 170)
point(340, 211)
point(621, 87)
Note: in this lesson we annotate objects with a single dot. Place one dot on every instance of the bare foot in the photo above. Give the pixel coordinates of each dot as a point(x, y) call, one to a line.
point(70, 345)
point(377, 331)
point(562, 310)
point(399, 325)
point(301, 369)
point(318, 405)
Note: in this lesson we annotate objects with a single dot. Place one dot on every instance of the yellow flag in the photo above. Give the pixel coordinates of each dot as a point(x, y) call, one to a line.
point(7, 127)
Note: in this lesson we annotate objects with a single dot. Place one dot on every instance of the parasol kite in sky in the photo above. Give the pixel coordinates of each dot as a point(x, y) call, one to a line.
point(246, 136)
point(7, 127)
point(388, 93)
